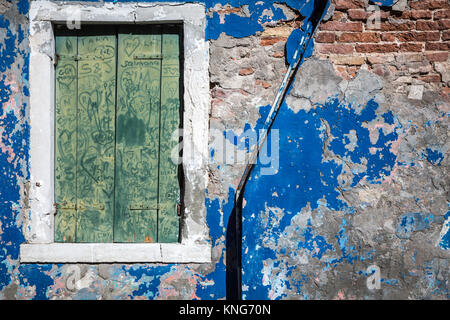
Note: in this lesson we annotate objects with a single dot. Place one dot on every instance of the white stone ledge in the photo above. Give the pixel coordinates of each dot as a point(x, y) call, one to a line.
point(114, 253)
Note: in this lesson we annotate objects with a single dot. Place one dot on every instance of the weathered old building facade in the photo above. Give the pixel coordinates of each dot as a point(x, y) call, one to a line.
point(348, 201)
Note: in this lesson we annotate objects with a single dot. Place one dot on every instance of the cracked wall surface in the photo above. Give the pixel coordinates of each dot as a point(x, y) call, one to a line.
point(362, 178)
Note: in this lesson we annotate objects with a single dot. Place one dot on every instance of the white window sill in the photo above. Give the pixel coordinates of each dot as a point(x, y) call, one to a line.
point(114, 253)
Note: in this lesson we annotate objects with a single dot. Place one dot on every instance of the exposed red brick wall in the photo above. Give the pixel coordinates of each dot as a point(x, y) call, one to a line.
point(408, 45)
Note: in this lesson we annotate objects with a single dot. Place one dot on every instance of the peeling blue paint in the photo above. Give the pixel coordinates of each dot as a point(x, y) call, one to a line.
point(14, 143)
point(241, 26)
point(148, 277)
point(305, 178)
point(314, 145)
point(35, 276)
point(23, 6)
point(444, 242)
point(238, 26)
point(152, 279)
point(412, 222)
point(343, 120)
point(434, 156)
point(293, 43)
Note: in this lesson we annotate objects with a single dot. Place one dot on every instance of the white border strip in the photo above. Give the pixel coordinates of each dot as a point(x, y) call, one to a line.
point(114, 253)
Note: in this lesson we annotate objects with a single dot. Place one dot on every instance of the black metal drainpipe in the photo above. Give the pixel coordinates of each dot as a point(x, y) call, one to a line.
point(234, 228)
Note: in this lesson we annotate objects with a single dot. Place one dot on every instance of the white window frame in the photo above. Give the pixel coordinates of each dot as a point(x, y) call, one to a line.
point(195, 246)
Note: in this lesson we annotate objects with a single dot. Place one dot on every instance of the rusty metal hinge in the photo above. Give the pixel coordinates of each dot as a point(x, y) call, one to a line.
point(58, 57)
point(179, 209)
point(141, 207)
point(100, 207)
point(149, 57)
point(65, 207)
point(58, 206)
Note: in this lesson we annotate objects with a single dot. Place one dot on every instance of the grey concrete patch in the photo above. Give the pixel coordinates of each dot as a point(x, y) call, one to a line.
point(317, 82)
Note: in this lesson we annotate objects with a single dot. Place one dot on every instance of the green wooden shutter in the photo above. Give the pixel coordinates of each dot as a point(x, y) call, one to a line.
point(66, 75)
point(85, 131)
point(96, 138)
point(137, 138)
point(114, 177)
point(169, 195)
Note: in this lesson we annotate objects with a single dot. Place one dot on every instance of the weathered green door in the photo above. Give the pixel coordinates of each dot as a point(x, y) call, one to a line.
point(96, 138)
point(169, 196)
point(66, 75)
point(137, 137)
point(117, 107)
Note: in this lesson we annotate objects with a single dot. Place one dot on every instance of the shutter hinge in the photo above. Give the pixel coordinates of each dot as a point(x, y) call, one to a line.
point(58, 206)
point(179, 209)
point(148, 57)
point(99, 207)
point(75, 57)
point(141, 207)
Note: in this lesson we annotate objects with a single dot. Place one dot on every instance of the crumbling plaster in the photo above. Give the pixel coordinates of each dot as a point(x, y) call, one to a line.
point(362, 179)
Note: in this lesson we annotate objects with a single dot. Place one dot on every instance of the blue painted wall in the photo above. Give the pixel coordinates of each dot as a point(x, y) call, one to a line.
point(275, 245)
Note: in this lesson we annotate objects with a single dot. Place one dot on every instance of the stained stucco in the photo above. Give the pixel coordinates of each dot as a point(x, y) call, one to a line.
point(361, 179)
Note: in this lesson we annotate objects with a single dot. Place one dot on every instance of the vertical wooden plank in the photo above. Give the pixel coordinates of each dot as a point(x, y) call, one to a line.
point(96, 135)
point(169, 191)
point(65, 138)
point(137, 137)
